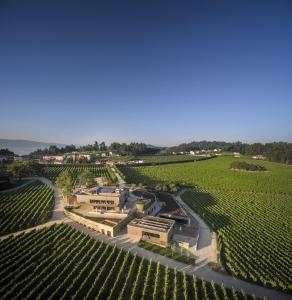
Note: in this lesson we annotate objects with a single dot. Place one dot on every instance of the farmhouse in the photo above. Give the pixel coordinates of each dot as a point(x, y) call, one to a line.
point(152, 229)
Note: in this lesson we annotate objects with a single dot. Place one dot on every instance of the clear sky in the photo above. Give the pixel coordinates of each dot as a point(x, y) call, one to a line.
point(162, 72)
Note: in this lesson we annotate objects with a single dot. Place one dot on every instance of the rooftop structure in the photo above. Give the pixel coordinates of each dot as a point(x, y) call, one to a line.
point(152, 229)
point(156, 223)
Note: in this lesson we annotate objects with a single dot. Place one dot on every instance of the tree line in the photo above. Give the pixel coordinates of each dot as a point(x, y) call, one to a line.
point(277, 151)
point(118, 148)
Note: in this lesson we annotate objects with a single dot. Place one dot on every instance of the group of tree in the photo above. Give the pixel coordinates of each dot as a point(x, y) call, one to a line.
point(118, 148)
point(6, 152)
point(52, 150)
point(167, 187)
point(277, 151)
point(26, 168)
point(66, 181)
point(242, 165)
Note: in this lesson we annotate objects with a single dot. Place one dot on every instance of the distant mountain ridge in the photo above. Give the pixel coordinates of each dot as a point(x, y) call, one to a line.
point(23, 147)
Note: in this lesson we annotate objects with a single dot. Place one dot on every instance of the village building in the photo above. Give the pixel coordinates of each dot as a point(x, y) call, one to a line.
point(152, 229)
point(259, 157)
point(56, 159)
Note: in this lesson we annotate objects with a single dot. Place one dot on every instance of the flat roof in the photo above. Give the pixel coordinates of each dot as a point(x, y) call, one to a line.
point(153, 223)
point(104, 189)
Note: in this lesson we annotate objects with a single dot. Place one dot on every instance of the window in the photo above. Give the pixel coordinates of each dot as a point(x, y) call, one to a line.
point(150, 235)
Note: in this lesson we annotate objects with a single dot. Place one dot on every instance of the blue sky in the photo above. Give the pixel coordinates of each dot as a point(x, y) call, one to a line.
point(162, 72)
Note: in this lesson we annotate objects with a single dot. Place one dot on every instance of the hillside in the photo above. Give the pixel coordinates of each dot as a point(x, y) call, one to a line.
point(24, 147)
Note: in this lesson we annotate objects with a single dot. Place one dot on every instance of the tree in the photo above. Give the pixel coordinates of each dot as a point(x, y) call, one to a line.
point(165, 188)
point(158, 187)
point(102, 146)
point(6, 152)
point(86, 178)
point(173, 187)
point(25, 168)
point(65, 182)
point(96, 146)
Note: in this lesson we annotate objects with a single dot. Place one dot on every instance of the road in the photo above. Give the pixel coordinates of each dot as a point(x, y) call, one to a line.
point(126, 242)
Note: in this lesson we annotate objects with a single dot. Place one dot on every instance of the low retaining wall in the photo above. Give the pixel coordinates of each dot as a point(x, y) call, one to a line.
point(99, 227)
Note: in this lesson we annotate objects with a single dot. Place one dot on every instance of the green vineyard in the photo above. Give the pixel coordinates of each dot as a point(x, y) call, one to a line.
point(59, 262)
point(52, 171)
point(251, 212)
point(26, 207)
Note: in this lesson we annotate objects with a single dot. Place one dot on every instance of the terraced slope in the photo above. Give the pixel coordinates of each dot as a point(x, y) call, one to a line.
point(59, 262)
point(251, 212)
point(26, 207)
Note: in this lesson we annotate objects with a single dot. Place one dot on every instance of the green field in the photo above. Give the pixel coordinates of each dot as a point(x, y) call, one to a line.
point(52, 171)
point(250, 211)
point(26, 207)
point(59, 262)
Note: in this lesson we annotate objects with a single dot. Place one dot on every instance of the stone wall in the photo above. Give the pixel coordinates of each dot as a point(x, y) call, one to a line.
point(99, 227)
point(91, 224)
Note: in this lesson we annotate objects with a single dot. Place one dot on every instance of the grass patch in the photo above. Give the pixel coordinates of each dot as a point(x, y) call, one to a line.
point(167, 252)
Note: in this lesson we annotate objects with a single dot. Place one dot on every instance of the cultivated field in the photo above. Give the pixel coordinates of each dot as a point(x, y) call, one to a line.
point(167, 158)
point(52, 171)
point(60, 262)
point(251, 212)
point(26, 207)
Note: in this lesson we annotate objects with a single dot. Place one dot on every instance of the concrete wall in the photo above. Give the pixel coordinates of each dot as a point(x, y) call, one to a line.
point(91, 224)
point(98, 226)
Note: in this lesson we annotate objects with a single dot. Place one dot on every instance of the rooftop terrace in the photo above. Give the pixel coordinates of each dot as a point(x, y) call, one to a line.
point(154, 223)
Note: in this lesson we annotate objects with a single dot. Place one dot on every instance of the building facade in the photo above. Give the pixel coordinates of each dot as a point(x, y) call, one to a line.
point(154, 230)
point(104, 198)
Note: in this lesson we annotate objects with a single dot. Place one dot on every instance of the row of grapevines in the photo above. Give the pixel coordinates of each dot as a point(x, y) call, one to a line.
point(26, 207)
point(59, 262)
point(250, 211)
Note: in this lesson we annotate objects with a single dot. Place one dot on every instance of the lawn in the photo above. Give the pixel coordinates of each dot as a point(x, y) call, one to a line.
point(167, 252)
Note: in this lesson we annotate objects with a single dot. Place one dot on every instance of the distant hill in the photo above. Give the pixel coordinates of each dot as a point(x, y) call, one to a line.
point(23, 147)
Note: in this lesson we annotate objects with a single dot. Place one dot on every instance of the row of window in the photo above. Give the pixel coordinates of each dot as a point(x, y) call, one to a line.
point(93, 201)
point(104, 208)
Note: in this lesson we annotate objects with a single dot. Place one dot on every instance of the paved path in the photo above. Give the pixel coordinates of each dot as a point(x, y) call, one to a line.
point(58, 212)
point(206, 244)
point(127, 242)
point(120, 180)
